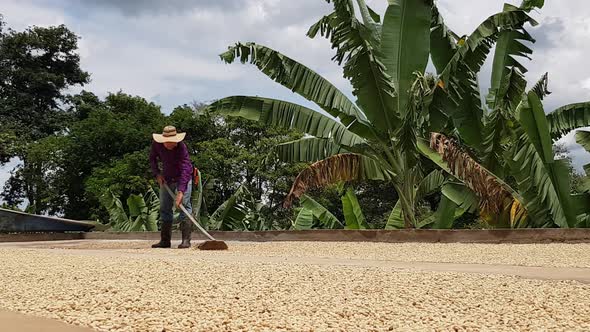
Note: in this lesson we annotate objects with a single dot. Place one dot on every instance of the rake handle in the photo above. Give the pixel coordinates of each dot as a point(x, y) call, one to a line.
point(189, 215)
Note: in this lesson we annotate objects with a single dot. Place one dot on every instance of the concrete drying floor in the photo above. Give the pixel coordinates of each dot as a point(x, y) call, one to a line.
point(300, 286)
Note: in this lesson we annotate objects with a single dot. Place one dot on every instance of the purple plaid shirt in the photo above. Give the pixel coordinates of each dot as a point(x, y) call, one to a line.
point(176, 164)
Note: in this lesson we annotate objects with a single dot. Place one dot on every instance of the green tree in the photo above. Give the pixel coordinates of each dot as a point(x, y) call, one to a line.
point(123, 177)
point(122, 125)
point(8, 145)
point(39, 179)
point(198, 125)
point(108, 147)
point(36, 66)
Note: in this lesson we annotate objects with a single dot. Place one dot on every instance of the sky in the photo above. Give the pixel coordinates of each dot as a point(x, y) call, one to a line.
point(167, 50)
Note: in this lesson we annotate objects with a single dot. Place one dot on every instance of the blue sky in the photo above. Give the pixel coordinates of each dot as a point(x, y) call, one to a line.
point(167, 51)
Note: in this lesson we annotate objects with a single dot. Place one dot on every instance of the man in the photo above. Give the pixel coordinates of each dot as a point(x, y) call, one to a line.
point(176, 172)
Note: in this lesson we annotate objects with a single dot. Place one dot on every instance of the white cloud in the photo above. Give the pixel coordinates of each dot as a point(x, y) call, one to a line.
point(22, 14)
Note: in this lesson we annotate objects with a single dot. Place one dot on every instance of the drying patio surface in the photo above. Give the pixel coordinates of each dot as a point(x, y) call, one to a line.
point(300, 286)
point(12, 321)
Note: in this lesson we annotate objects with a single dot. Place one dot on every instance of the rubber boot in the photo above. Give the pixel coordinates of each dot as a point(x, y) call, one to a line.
point(186, 228)
point(165, 236)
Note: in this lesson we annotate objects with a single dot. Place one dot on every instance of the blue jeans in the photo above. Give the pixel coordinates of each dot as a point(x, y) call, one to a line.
point(167, 203)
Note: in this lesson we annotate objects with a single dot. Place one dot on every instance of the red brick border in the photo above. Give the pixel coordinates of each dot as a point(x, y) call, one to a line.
point(431, 236)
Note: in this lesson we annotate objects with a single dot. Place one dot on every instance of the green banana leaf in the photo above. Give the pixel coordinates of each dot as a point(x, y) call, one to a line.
point(396, 218)
point(508, 82)
point(153, 210)
point(459, 77)
point(567, 118)
point(462, 196)
point(272, 112)
point(550, 177)
point(326, 219)
point(443, 41)
point(357, 45)
point(118, 218)
point(446, 213)
point(430, 184)
point(296, 77)
point(308, 149)
point(230, 214)
point(376, 18)
point(312, 211)
point(353, 214)
point(405, 44)
point(304, 220)
point(143, 212)
point(370, 18)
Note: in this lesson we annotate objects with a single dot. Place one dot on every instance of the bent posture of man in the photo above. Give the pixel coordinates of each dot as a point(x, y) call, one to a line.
point(177, 169)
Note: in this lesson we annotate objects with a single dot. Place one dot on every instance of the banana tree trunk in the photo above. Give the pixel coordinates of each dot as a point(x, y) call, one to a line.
point(405, 197)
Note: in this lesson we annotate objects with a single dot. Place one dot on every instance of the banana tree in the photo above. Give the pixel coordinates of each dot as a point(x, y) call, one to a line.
point(375, 137)
point(313, 213)
point(142, 216)
point(541, 193)
point(239, 212)
point(517, 139)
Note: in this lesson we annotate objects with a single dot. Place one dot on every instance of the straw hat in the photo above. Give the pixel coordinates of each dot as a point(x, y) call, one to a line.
point(169, 134)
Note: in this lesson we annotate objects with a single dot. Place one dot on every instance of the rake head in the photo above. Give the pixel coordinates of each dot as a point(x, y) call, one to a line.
point(212, 245)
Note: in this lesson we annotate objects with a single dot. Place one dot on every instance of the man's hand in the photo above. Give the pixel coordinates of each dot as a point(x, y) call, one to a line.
point(179, 196)
point(160, 180)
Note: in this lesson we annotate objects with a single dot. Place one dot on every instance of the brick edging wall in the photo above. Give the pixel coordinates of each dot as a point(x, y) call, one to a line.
point(25, 237)
point(393, 236)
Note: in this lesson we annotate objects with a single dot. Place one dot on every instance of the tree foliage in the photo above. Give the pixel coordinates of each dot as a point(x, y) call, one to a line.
point(36, 66)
